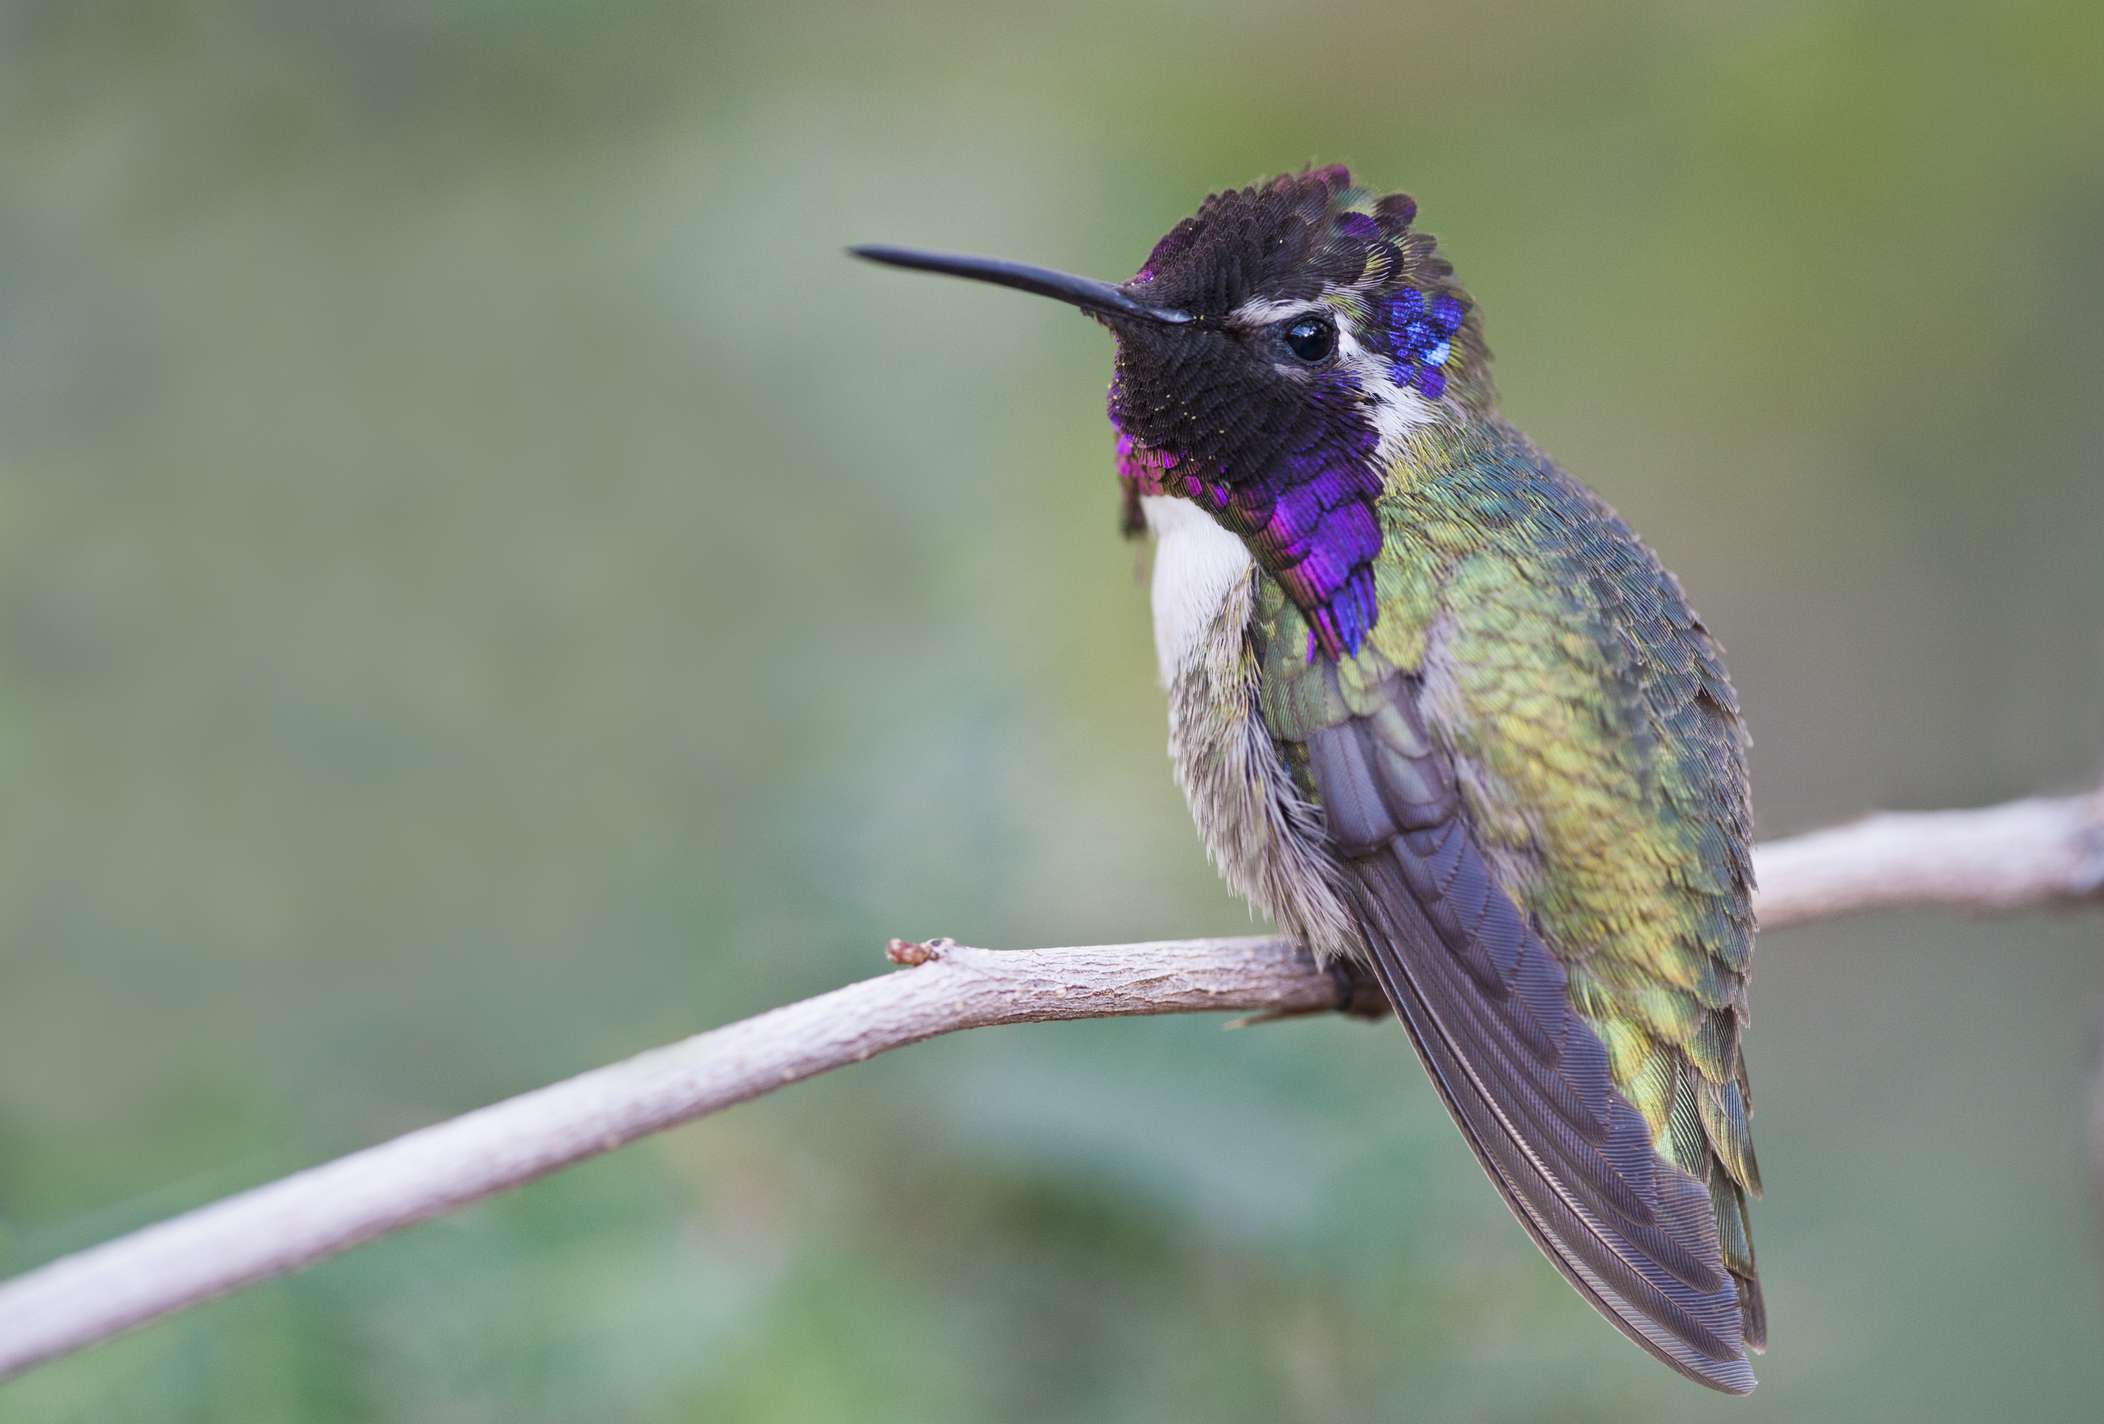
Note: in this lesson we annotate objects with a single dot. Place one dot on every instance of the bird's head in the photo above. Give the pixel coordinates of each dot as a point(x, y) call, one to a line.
point(1274, 351)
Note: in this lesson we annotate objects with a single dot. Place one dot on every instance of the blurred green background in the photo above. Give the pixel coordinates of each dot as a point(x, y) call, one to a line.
point(485, 586)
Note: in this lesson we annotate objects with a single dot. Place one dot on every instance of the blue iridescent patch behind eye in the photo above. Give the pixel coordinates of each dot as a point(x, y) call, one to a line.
point(1420, 339)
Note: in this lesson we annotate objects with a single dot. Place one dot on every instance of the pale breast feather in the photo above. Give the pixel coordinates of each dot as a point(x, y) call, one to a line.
point(1198, 567)
point(1262, 835)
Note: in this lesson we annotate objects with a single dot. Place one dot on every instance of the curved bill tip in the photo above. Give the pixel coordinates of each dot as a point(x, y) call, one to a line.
point(1084, 292)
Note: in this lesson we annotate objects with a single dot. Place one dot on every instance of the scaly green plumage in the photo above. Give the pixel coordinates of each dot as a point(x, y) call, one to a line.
point(1605, 755)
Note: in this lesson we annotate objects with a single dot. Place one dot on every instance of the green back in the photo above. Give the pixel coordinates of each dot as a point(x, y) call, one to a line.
point(1600, 761)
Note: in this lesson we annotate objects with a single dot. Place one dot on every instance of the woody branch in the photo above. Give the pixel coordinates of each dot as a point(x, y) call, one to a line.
point(2035, 853)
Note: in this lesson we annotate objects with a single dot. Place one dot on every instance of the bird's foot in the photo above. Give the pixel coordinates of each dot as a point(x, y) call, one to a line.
point(1356, 996)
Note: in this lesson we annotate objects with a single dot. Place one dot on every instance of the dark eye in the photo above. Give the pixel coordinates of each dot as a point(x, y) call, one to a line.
point(1311, 338)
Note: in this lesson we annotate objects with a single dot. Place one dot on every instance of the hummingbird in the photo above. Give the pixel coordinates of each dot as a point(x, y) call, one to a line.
point(1441, 714)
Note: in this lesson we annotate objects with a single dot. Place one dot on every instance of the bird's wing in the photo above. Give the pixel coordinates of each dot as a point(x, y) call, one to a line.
point(1533, 778)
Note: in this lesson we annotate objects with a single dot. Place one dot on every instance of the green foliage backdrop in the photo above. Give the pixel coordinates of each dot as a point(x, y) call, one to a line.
point(485, 587)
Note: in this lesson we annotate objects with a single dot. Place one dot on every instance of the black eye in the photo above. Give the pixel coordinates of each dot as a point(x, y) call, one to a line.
point(1311, 338)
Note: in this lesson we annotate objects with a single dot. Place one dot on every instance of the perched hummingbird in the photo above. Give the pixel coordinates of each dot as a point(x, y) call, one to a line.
point(1439, 711)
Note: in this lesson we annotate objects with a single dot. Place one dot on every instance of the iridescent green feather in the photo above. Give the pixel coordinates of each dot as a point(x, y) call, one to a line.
point(1602, 767)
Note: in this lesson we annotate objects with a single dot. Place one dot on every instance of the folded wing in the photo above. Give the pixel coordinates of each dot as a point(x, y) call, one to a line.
point(1524, 1074)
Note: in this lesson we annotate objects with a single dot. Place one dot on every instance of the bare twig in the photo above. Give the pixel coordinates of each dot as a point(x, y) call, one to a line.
point(2030, 853)
point(2038, 852)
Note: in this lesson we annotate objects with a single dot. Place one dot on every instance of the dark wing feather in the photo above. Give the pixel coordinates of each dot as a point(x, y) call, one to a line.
point(1523, 1074)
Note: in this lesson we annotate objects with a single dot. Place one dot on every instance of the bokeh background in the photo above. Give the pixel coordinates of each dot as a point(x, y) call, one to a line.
point(485, 587)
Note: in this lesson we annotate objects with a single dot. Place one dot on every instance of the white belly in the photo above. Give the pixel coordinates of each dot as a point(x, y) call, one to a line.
point(1266, 841)
point(1198, 566)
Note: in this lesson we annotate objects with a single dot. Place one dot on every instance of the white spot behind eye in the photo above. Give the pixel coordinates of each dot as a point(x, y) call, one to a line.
point(1396, 410)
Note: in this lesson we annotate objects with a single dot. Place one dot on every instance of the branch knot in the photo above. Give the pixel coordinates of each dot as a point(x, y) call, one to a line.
point(907, 953)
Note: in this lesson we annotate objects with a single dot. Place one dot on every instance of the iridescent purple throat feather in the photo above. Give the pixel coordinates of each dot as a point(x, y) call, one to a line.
point(1309, 522)
point(1293, 465)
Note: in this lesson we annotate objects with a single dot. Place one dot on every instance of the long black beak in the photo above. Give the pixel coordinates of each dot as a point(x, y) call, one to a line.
point(1084, 292)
